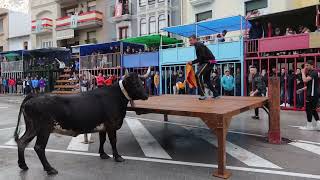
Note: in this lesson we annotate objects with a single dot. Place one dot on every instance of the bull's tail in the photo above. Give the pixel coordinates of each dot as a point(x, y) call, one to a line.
point(17, 131)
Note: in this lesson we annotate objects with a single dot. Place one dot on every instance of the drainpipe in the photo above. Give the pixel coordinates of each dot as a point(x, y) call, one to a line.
point(181, 13)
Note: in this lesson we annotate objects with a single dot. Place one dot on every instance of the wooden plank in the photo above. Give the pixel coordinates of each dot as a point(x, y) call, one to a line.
point(65, 86)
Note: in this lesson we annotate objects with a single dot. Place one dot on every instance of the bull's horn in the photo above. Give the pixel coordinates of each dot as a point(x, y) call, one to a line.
point(147, 74)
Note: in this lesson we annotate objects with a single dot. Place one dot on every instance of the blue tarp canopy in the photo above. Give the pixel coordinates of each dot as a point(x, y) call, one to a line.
point(210, 27)
point(104, 48)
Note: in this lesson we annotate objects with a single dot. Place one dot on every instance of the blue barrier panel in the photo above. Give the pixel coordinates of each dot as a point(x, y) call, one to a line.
point(225, 51)
point(149, 59)
point(131, 60)
point(141, 60)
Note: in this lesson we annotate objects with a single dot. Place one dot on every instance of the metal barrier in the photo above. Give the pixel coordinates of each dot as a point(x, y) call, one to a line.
point(12, 66)
point(290, 77)
point(169, 76)
point(100, 61)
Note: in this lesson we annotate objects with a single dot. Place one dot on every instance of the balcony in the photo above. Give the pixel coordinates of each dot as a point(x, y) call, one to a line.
point(200, 2)
point(84, 20)
point(42, 26)
point(121, 12)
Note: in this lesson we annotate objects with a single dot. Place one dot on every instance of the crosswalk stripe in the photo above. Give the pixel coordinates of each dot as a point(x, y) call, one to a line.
point(236, 151)
point(306, 146)
point(76, 143)
point(12, 142)
point(147, 142)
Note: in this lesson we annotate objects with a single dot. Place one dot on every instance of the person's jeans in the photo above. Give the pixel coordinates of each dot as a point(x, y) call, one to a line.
point(156, 91)
point(10, 89)
point(192, 91)
point(283, 95)
point(42, 89)
point(300, 100)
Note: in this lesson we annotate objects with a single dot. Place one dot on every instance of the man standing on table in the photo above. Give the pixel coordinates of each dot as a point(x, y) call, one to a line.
point(258, 87)
point(205, 61)
point(310, 77)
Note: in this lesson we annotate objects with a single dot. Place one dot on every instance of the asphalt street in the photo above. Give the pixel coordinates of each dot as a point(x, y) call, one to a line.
point(181, 149)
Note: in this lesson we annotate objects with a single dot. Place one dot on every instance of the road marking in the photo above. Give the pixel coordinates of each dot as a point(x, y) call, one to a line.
point(76, 143)
point(309, 142)
point(148, 144)
point(9, 128)
point(196, 127)
point(236, 151)
point(4, 107)
point(163, 161)
point(12, 142)
point(306, 146)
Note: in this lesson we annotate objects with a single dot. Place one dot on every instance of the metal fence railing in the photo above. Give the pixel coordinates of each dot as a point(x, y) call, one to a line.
point(100, 61)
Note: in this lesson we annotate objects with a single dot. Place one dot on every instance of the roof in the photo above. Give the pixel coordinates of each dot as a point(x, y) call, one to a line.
point(153, 40)
point(210, 27)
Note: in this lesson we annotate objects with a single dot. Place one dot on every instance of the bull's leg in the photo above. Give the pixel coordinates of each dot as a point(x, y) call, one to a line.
point(22, 144)
point(40, 146)
point(113, 140)
point(102, 137)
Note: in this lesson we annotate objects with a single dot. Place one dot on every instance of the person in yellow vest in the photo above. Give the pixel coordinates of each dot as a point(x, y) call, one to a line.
point(156, 80)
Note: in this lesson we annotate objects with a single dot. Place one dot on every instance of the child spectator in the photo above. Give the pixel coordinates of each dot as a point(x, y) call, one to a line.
point(1, 84)
point(84, 84)
point(156, 84)
point(12, 85)
point(42, 85)
point(100, 80)
point(35, 85)
point(4, 84)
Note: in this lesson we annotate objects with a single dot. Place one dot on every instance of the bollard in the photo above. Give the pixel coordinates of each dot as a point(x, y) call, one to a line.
point(274, 134)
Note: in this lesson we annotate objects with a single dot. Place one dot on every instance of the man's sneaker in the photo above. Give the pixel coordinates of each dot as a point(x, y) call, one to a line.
point(318, 125)
point(215, 97)
point(255, 117)
point(308, 127)
point(202, 97)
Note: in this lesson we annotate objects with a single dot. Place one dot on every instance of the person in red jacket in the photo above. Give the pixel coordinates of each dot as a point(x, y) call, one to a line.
point(109, 81)
point(12, 85)
point(100, 80)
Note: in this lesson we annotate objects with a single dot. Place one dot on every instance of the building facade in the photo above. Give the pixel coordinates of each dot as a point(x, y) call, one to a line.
point(66, 23)
point(4, 30)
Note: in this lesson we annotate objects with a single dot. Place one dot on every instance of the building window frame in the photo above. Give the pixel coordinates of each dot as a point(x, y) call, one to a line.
point(263, 4)
point(143, 3)
point(1, 25)
point(161, 19)
point(152, 24)
point(143, 21)
point(203, 13)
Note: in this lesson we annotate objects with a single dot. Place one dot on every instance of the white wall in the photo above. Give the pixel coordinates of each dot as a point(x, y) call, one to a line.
point(17, 43)
point(19, 24)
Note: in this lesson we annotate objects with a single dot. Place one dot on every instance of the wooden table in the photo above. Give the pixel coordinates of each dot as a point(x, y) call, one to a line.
point(216, 114)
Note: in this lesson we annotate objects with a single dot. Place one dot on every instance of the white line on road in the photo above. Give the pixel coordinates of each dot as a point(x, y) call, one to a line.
point(308, 147)
point(237, 152)
point(76, 143)
point(255, 170)
point(4, 107)
point(147, 142)
point(12, 142)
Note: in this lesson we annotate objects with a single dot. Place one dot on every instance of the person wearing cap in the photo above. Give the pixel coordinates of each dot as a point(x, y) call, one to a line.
point(205, 60)
point(227, 83)
point(258, 87)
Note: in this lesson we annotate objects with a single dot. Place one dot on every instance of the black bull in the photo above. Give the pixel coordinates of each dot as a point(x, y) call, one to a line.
point(101, 110)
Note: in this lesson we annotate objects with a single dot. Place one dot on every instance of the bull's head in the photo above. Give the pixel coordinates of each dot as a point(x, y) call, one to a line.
point(133, 85)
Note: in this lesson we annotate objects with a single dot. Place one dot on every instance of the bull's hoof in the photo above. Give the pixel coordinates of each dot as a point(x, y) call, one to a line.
point(104, 156)
point(23, 166)
point(51, 171)
point(118, 159)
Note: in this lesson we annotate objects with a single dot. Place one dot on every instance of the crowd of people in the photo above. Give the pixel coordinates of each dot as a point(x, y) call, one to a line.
point(258, 31)
point(22, 86)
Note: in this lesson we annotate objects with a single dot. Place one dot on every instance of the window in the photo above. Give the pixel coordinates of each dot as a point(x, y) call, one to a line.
point(203, 16)
point(1, 25)
point(152, 25)
point(46, 44)
point(255, 5)
point(162, 22)
point(142, 2)
point(123, 32)
point(151, 1)
point(25, 45)
point(92, 5)
point(160, 1)
point(91, 35)
point(143, 27)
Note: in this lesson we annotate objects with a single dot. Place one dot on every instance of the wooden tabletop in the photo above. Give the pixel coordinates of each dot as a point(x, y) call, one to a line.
point(186, 105)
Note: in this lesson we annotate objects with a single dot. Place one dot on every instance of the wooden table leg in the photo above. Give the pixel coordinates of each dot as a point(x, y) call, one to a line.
point(274, 134)
point(165, 117)
point(220, 126)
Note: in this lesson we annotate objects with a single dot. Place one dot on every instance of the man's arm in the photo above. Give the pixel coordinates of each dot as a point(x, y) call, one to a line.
point(304, 77)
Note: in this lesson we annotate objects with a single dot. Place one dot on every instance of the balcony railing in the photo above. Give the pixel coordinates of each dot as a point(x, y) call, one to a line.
point(200, 2)
point(44, 25)
point(84, 20)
